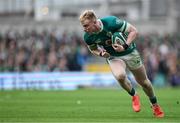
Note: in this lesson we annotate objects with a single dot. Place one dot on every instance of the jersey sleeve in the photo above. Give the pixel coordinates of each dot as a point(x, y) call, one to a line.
point(88, 41)
point(119, 25)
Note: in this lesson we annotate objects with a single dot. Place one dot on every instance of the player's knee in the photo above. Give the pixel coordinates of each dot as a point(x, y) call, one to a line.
point(121, 77)
point(146, 84)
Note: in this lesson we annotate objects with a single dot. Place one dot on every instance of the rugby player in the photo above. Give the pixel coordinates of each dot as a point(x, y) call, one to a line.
point(98, 35)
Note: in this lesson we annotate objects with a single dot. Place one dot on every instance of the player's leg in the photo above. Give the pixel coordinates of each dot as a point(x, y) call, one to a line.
point(142, 79)
point(134, 63)
point(118, 68)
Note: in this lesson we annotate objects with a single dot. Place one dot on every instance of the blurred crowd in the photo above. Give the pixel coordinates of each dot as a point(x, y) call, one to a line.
point(32, 51)
point(161, 57)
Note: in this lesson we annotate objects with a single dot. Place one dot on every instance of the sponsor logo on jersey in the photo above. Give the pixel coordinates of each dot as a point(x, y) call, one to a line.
point(98, 41)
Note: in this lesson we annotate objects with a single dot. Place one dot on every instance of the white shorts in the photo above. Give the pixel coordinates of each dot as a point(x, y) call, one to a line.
point(133, 60)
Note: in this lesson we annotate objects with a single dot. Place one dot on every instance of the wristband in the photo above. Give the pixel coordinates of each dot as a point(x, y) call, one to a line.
point(125, 46)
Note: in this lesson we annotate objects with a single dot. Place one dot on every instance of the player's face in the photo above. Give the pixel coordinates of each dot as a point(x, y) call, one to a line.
point(90, 26)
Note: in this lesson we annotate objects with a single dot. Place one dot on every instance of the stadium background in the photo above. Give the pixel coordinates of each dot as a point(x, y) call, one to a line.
point(42, 48)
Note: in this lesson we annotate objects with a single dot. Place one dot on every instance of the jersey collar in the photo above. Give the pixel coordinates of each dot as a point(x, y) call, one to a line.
point(101, 25)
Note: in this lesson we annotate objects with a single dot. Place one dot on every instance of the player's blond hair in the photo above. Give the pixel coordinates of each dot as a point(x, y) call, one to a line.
point(87, 15)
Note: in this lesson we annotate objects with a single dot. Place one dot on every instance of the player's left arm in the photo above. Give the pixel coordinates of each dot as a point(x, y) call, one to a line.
point(124, 27)
point(132, 33)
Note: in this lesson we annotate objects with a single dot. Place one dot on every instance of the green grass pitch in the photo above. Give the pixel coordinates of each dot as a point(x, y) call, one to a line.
point(85, 105)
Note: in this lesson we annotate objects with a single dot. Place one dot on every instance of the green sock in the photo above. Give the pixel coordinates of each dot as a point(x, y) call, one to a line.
point(132, 92)
point(153, 100)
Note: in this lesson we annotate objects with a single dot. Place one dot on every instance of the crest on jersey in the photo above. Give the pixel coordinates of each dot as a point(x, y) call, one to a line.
point(118, 21)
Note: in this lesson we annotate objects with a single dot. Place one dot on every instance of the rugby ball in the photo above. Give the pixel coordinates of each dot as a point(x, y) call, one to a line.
point(118, 38)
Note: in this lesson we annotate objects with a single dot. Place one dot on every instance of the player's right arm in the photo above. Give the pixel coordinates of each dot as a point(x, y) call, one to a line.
point(94, 48)
point(98, 51)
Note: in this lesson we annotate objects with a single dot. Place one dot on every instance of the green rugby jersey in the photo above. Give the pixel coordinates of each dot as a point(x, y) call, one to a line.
point(109, 25)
